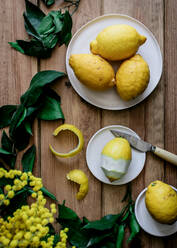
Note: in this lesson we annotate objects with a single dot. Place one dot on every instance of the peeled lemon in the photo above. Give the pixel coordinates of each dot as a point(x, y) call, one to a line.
point(77, 132)
point(161, 202)
point(132, 77)
point(116, 158)
point(78, 176)
point(117, 42)
point(93, 71)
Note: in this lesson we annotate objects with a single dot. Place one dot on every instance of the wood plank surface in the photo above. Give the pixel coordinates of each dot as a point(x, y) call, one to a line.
point(79, 113)
point(16, 70)
point(154, 120)
point(170, 95)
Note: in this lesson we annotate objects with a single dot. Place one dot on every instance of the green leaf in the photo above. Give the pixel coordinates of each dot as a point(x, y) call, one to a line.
point(6, 143)
point(10, 160)
point(50, 41)
point(78, 237)
point(108, 244)
point(105, 223)
point(47, 193)
point(21, 138)
point(16, 46)
point(31, 48)
point(17, 119)
point(6, 113)
point(66, 213)
point(19, 200)
point(65, 34)
point(57, 20)
point(48, 2)
point(28, 127)
point(30, 29)
point(2, 151)
point(51, 110)
point(40, 80)
point(4, 181)
point(1, 191)
point(56, 239)
point(28, 159)
point(97, 239)
point(34, 14)
point(45, 25)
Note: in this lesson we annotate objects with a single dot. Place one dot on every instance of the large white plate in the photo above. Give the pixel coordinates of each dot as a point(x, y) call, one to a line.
point(150, 52)
point(93, 155)
point(149, 224)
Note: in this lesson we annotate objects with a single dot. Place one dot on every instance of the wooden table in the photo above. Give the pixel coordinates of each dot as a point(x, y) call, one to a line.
point(154, 119)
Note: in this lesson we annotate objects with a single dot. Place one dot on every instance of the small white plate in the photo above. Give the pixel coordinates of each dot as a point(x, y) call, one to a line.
point(93, 155)
point(146, 221)
point(150, 51)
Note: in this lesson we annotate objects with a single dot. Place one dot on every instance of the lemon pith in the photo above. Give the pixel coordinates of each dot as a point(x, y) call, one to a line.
point(117, 42)
point(77, 132)
point(93, 71)
point(78, 176)
point(132, 77)
point(161, 202)
point(116, 158)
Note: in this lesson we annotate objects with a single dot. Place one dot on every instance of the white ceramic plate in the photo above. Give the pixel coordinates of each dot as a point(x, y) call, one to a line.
point(149, 224)
point(150, 51)
point(93, 155)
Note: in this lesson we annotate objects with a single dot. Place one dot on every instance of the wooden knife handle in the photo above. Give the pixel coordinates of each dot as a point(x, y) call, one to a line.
point(168, 156)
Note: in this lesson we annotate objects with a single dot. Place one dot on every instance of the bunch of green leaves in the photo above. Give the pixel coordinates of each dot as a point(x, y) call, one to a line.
point(46, 31)
point(108, 232)
point(39, 101)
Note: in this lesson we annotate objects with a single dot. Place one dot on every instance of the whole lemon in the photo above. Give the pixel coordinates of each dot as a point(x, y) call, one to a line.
point(116, 158)
point(117, 42)
point(132, 77)
point(161, 202)
point(93, 71)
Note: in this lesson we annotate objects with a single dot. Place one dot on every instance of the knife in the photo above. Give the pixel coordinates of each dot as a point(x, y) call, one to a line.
point(143, 146)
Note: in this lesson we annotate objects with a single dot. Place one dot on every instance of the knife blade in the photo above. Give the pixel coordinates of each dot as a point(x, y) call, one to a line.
point(144, 146)
point(134, 142)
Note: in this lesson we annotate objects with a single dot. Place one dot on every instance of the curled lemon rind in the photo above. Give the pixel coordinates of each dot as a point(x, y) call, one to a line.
point(79, 177)
point(77, 132)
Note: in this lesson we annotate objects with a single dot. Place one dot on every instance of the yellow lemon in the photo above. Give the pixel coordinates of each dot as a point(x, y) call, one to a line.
point(116, 158)
point(161, 202)
point(132, 77)
point(78, 176)
point(93, 71)
point(77, 132)
point(117, 42)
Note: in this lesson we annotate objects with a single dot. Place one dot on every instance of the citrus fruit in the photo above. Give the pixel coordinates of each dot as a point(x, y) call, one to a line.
point(116, 158)
point(161, 202)
point(117, 42)
point(78, 176)
point(132, 77)
point(93, 71)
point(77, 132)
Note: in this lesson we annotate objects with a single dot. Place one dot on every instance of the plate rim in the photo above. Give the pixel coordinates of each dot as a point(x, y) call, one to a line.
point(93, 136)
point(94, 20)
point(137, 216)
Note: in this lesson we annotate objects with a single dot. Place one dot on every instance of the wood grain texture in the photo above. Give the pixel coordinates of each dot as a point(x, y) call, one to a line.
point(171, 95)
point(16, 69)
point(85, 117)
point(146, 119)
point(154, 119)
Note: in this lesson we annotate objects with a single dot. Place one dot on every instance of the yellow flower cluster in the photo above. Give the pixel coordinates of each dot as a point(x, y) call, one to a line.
point(28, 225)
point(20, 180)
